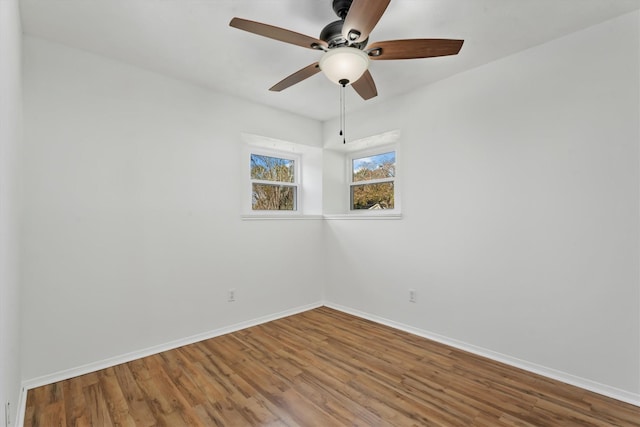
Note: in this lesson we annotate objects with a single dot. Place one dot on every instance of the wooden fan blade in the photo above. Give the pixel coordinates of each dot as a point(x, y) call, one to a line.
point(414, 48)
point(296, 77)
point(365, 86)
point(362, 17)
point(277, 33)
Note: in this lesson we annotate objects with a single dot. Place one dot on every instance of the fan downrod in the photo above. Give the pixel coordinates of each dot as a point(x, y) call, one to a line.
point(341, 8)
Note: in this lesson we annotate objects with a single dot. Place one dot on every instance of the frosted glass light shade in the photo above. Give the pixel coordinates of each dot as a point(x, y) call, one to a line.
point(344, 63)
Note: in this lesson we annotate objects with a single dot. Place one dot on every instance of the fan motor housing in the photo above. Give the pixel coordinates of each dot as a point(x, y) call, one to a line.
point(332, 34)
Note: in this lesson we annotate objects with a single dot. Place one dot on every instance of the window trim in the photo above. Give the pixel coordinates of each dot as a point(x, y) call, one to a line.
point(372, 151)
point(297, 184)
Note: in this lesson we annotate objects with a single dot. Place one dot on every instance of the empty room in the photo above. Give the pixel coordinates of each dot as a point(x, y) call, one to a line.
point(320, 212)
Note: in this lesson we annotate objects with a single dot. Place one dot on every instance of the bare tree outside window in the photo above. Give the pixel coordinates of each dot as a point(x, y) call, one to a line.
point(273, 183)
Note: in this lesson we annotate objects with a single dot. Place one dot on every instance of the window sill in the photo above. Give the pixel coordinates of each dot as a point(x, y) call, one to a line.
point(328, 217)
point(266, 217)
point(385, 216)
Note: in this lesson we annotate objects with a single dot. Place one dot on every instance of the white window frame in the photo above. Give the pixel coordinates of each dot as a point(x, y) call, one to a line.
point(297, 184)
point(353, 155)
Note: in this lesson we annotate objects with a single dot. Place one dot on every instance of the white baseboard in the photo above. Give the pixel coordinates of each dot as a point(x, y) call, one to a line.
point(605, 390)
point(128, 357)
point(22, 407)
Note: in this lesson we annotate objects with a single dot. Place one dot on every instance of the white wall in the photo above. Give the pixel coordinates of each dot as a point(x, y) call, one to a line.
point(10, 136)
point(521, 209)
point(132, 212)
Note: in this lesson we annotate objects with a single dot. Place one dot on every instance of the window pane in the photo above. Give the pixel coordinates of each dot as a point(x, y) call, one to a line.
point(272, 168)
point(266, 197)
point(374, 167)
point(372, 196)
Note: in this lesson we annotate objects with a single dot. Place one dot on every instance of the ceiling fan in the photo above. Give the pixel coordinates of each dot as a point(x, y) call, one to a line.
point(345, 45)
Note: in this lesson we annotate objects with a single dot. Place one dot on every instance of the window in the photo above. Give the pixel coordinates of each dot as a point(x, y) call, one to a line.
point(362, 178)
point(372, 180)
point(274, 182)
point(280, 179)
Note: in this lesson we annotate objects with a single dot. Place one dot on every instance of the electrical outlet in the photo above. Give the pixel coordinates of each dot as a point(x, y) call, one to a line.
point(231, 295)
point(412, 295)
point(7, 414)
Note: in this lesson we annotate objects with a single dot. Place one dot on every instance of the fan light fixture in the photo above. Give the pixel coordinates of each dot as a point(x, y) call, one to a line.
point(344, 65)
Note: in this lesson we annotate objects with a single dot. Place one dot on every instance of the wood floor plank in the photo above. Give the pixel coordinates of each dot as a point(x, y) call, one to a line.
point(98, 406)
point(53, 415)
point(223, 413)
point(320, 368)
point(612, 410)
point(115, 398)
point(135, 398)
point(76, 408)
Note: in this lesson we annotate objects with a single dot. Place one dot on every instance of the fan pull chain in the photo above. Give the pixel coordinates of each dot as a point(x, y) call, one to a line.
point(343, 111)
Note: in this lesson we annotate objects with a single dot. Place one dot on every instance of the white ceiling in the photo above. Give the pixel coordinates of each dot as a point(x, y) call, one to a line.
point(191, 40)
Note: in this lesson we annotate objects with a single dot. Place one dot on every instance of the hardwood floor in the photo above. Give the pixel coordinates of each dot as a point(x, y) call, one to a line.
point(319, 368)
